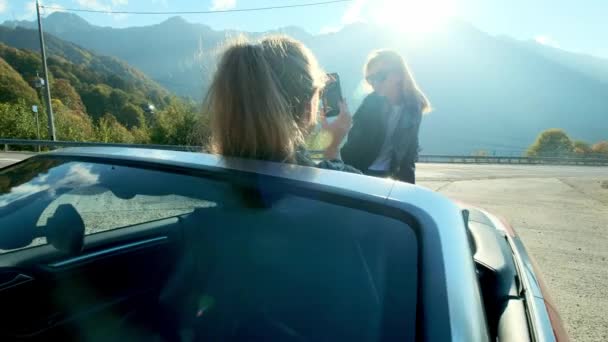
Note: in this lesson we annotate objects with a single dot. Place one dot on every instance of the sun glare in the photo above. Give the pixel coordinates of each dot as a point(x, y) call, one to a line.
point(412, 16)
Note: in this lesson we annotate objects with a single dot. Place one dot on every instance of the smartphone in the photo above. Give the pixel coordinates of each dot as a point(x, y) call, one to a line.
point(332, 95)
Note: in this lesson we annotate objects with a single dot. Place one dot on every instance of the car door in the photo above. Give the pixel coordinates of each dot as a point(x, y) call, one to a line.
point(84, 245)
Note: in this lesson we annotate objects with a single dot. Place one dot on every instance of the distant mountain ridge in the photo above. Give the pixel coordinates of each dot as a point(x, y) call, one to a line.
point(591, 66)
point(148, 48)
point(191, 48)
point(488, 92)
point(54, 23)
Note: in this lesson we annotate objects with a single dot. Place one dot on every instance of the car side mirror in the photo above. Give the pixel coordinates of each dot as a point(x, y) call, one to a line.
point(65, 230)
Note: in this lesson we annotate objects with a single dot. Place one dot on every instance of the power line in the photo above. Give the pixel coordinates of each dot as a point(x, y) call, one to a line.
point(61, 9)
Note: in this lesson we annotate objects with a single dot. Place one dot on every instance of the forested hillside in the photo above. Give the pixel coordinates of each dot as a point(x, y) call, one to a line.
point(95, 98)
point(12, 86)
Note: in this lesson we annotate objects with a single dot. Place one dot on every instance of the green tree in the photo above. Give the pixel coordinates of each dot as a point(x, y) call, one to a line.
point(202, 131)
point(180, 123)
point(62, 89)
point(17, 121)
point(581, 147)
point(117, 100)
point(97, 100)
point(553, 142)
point(131, 116)
point(110, 130)
point(600, 147)
point(115, 81)
point(71, 125)
point(13, 87)
point(25, 62)
point(141, 135)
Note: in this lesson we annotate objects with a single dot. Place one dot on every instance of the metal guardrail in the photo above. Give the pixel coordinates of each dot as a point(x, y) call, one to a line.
point(50, 143)
point(461, 159)
point(590, 161)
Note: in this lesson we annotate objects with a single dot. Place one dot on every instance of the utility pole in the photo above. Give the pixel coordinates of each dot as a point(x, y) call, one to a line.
point(49, 106)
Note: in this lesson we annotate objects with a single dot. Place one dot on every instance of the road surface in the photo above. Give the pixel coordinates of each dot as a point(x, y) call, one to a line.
point(561, 213)
point(8, 158)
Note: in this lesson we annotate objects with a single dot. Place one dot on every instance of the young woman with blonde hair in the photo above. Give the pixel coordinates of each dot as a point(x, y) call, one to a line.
point(264, 100)
point(383, 141)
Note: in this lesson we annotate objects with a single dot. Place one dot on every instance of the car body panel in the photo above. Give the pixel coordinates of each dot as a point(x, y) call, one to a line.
point(433, 209)
point(547, 323)
point(463, 299)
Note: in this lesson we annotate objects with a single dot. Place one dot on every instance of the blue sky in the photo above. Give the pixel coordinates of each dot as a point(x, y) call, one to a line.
point(579, 26)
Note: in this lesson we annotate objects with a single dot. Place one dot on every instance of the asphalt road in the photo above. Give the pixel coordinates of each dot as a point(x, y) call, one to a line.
point(561, 213)
point(8, 158)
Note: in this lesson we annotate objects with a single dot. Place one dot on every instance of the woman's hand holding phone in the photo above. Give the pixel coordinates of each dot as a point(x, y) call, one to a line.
point(338, 128)
point(340, 125)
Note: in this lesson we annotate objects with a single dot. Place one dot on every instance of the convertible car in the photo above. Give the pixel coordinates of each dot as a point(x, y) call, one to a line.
point(105, 244)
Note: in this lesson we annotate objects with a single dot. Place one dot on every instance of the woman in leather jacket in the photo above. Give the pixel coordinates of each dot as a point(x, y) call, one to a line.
point(383, 141)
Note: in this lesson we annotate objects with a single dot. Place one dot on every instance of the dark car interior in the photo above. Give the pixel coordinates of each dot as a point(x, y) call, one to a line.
point(310, 279)
point(498, 278)
point(293, 268)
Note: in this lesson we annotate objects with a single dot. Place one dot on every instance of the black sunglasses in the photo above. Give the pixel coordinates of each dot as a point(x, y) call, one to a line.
point(378, 77)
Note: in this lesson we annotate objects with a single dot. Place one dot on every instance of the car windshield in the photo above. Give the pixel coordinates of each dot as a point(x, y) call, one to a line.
point(500, 106)
point(299, 267)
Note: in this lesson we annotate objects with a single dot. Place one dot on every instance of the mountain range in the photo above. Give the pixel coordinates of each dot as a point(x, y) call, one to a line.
point(488, 92)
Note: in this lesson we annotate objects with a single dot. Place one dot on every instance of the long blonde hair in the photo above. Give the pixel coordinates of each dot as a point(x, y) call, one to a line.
point(410, 87)
point(260, 98)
